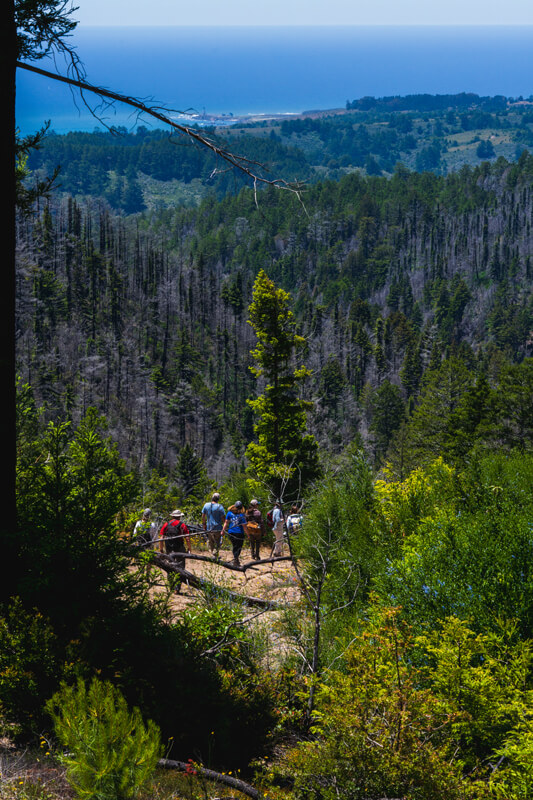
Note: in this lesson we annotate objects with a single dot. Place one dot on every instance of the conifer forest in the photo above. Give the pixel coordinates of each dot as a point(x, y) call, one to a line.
point(359, 346)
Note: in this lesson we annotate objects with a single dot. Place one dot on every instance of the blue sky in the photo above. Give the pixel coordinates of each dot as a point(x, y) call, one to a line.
point(300, 12)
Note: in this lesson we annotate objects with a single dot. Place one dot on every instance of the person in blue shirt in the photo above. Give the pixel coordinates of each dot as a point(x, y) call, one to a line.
point(278, 518)
point(235, 527)
point(213, 516)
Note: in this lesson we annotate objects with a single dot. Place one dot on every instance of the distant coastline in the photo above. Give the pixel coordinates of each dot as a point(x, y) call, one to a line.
point(251, 74)
point(228, 120)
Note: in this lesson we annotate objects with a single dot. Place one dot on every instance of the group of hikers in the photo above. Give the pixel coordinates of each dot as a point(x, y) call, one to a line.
point(237, 523)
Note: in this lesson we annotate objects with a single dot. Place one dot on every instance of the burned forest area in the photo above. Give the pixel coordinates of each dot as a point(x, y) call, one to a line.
point(357, 354)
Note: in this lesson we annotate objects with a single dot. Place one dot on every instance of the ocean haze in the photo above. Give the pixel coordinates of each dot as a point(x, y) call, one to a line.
point(268, 70)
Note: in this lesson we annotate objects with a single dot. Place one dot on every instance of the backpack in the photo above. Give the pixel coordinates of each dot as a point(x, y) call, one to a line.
point(254, 529)
point(270, 517)
point(143, 535)
point(174, 545)
point(294, 522)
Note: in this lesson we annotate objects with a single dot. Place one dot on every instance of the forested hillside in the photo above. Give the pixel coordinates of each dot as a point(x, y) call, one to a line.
point(363, 347)
point(148, 168)
point(146, 317)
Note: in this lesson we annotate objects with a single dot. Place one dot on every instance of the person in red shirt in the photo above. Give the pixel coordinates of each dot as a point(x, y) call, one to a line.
point(174, 538)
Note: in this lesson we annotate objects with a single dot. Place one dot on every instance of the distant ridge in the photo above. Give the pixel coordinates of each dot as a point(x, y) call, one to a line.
point(430, 102)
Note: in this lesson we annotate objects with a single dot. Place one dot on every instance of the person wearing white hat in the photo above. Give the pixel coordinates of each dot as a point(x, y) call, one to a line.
point(174, 537)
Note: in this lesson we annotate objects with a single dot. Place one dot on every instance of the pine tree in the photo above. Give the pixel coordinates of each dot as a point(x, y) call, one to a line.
point(388, 414)
point(190, 472)
point(284, 456)
point(411, 371)
point(429, 431)
point(513, 426)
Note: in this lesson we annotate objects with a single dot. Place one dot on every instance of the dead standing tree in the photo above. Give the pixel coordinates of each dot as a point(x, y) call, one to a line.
point(32, 30)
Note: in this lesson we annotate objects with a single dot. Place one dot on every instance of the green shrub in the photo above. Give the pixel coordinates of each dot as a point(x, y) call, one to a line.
point(514, 781)
point(111, 752)
point(28, 664)
point(470, 555)
point(377, 731)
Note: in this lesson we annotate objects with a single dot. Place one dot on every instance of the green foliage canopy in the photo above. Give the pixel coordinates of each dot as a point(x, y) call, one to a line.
point(284, 457)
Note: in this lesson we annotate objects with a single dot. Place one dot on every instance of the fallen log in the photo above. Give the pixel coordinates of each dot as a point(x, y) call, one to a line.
point(166, 563)
point(230, 565)
point(228, 780)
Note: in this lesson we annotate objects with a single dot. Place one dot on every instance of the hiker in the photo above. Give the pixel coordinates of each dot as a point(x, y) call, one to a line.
point(145, 530)
point(255, 527)
point(294, 520)
point(236, 528)
point(278, 520)
point(145, 537)
point(175, 538)
point(213, 516)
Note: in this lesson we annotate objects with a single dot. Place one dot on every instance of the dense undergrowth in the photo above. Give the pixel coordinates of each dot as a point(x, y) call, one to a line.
point(409, 672)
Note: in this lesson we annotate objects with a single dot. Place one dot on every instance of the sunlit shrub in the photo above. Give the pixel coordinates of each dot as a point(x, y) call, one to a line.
point(378, 732)
point(111, 752)
point(404, 504)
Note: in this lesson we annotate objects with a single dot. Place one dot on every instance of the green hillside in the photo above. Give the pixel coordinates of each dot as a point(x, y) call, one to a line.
point(362, 350)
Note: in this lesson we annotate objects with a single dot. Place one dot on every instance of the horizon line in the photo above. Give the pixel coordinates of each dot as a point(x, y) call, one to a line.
point(312, 25)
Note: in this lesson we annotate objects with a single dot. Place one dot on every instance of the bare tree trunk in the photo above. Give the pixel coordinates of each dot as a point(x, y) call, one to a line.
point(8, 57)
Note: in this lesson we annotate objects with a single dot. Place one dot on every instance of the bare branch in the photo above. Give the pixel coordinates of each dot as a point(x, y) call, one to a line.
point(230, 565)
point(245, 165)
point(225, 640)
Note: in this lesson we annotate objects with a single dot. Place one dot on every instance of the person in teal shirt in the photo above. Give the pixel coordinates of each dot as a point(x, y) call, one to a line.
point(213, 516)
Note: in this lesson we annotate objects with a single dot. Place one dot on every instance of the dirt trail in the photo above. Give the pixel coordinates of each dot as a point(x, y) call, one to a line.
point(276, 582)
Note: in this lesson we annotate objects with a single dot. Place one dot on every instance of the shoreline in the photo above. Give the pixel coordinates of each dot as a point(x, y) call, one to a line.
point(201, 120)
point(230, 120)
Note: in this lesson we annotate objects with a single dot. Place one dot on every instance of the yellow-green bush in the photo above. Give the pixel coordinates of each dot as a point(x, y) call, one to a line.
point(111, 752)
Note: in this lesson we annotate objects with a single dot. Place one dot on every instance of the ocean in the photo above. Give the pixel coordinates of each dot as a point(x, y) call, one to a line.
point(282, 70)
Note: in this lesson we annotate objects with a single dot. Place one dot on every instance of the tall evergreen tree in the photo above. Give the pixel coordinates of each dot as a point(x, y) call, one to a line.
point(514, 406)
point(388, 414)
point(190, 472)
point(284, 456)
point(429, 433)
